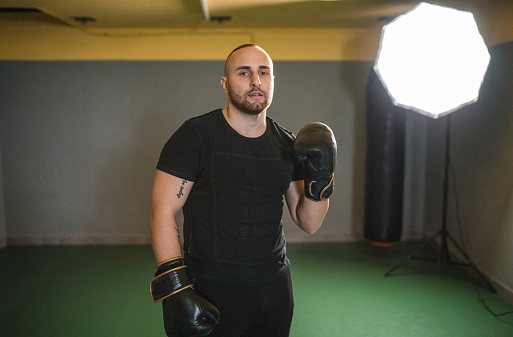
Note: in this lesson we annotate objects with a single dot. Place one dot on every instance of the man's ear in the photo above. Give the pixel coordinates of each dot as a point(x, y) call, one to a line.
point(224, 83)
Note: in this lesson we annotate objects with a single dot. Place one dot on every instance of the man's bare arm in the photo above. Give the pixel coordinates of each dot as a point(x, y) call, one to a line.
point(168, 197)
point(306, 213)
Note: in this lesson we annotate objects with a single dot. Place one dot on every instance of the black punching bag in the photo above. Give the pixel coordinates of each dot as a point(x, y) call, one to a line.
point(384, 173)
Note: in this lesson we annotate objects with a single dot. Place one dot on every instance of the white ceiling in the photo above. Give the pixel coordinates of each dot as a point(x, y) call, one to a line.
point(226, 13)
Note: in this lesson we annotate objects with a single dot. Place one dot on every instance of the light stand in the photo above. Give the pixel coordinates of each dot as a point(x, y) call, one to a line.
point(432, 60)
point(443, 233)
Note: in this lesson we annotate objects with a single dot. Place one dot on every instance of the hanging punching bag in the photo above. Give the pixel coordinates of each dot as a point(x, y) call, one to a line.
point(384, 174)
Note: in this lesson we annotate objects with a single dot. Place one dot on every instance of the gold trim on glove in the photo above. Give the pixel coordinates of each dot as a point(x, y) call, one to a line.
point(168, 260)
point(173, 293)
point(322, 191)
point(327, 186)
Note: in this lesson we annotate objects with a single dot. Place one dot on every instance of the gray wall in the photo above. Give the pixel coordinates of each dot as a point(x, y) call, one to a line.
point(3, 230)
point(80, 141)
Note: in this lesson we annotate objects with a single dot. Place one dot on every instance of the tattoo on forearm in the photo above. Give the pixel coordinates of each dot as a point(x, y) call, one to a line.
point(180, 193)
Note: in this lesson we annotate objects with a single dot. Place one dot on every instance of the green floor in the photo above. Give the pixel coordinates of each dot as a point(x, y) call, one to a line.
point(340, 290)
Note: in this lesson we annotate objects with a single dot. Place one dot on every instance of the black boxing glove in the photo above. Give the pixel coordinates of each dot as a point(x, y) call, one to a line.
point(186, 312)
point(316, 147)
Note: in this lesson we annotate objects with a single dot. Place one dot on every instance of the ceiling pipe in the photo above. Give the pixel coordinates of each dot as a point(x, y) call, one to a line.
point(204, 8)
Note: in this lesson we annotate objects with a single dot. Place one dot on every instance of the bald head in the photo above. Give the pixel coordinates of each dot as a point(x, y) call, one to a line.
point(241, 50)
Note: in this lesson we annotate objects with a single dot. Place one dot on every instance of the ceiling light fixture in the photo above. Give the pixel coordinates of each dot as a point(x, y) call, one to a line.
point(83, 19)
point(204, 9)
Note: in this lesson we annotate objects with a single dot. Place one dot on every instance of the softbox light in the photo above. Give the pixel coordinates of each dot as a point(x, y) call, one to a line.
point(432, 59)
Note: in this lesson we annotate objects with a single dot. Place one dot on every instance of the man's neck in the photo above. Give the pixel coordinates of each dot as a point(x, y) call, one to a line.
point(251, 126)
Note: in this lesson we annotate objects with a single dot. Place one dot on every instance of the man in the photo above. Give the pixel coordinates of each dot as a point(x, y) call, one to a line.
point(229, 171)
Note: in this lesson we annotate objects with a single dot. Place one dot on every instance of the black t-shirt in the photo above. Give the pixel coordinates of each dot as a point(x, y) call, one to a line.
point(233, 230)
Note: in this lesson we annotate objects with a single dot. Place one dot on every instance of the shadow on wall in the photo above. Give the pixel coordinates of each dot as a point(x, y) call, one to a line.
point(353, 80)
point(482, 156)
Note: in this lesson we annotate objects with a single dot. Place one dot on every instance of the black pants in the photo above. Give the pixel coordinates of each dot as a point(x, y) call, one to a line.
point(252, 311)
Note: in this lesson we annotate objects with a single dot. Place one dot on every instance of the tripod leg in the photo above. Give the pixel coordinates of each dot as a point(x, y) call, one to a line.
point(428, 242)
point(471, 264)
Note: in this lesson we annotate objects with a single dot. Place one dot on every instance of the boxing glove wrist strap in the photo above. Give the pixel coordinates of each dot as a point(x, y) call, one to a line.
point(169, 283)
point(318, 190)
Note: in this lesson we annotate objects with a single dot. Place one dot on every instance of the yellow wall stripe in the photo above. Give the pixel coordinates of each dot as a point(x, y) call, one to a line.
point(34, 36)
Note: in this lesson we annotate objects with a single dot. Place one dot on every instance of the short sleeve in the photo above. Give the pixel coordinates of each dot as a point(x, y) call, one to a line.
point(181, 154)
point(299, 167)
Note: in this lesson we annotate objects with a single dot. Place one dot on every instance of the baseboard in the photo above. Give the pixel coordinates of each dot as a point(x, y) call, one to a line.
point(301, 237)
point(79, 240)
point(321, 236)
point(98, 240)
point(502, 290)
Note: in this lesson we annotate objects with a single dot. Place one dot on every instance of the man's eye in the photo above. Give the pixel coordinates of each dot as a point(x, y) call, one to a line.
point(264, 73)
point(243, 73)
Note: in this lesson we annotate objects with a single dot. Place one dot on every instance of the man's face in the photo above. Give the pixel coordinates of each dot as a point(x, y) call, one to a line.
point(249, 80)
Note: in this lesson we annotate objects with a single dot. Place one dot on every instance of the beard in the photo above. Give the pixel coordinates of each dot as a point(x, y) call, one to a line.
point(247, 107)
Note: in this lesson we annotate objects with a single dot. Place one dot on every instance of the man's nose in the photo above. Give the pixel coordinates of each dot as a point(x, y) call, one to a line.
point(255, 80)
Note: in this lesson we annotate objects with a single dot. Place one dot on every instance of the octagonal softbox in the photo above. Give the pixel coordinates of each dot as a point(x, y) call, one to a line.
point(432, 60)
